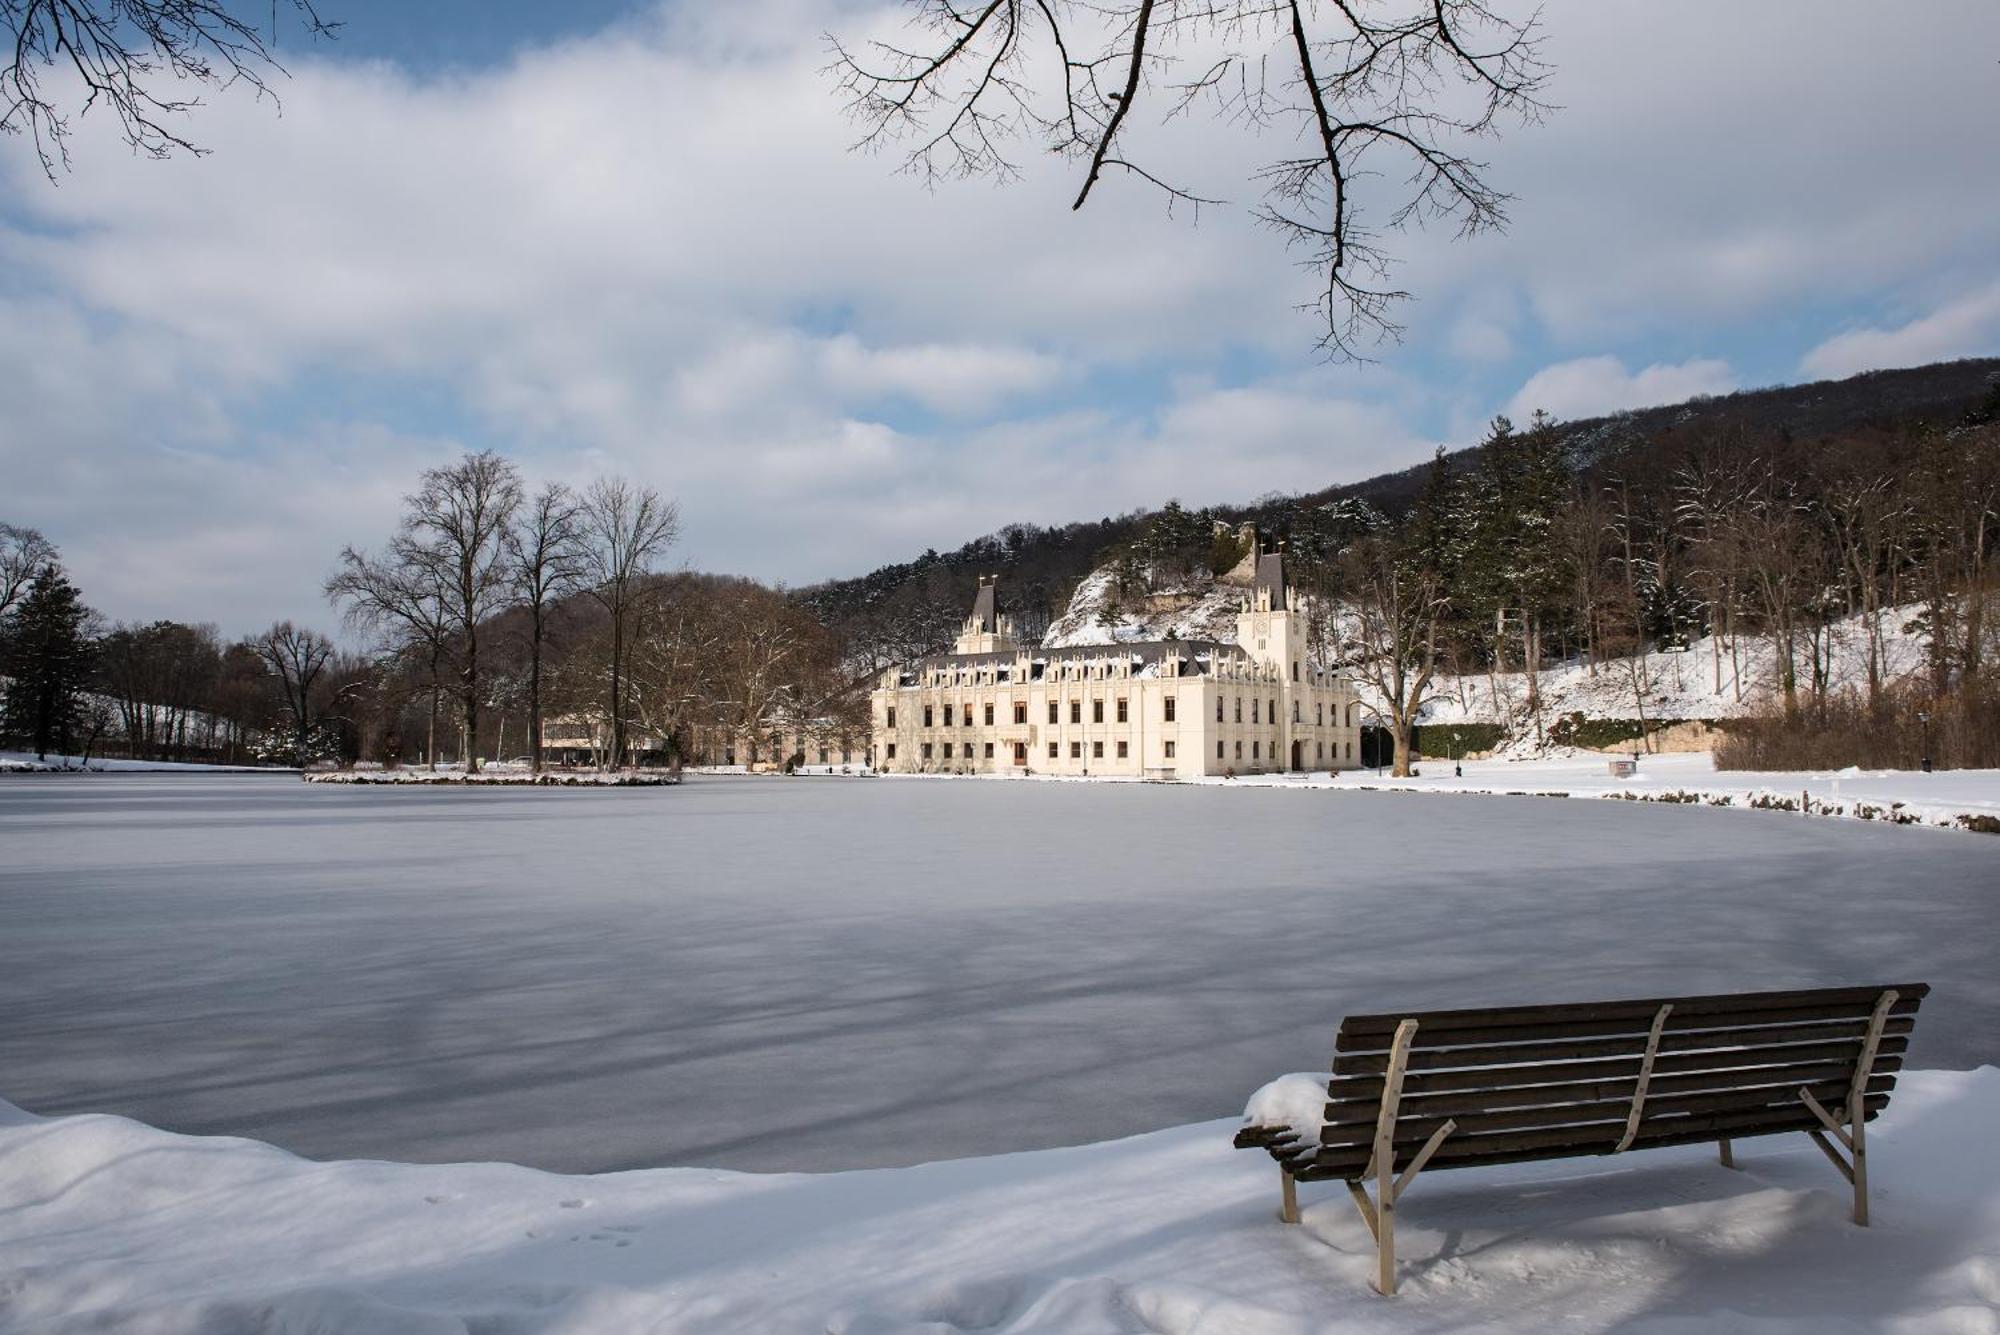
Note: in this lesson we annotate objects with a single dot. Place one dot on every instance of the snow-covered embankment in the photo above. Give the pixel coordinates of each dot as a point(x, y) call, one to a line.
point(110, 1225)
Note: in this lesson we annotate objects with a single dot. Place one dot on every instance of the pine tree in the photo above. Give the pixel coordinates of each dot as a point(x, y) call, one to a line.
point(50, 658)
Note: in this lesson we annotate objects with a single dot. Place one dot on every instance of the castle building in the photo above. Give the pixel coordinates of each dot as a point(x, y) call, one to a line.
point(1152, 709)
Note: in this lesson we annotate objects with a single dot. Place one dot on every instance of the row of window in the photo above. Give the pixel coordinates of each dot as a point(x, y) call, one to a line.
point(1257, 712)
point(1123, 751)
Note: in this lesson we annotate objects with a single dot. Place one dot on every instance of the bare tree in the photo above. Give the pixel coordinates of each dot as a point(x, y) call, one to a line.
point(23, 551)
point(547, 559)
point(456, 529)
point(403, 602)
point(625, 528)
point(1367, 92)
point(296, 657)
point(147, 60)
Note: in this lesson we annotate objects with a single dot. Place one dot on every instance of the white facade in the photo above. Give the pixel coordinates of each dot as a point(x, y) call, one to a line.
point(1160, 709)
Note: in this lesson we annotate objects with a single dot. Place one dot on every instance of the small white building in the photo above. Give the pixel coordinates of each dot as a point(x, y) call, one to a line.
point(1153, 709)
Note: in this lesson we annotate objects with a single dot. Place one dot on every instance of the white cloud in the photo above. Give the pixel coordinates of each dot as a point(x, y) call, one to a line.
point(650, 251)
point(1590, 386)
point(1967, 327)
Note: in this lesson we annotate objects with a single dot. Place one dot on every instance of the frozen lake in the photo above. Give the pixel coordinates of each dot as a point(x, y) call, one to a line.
point(815, 973)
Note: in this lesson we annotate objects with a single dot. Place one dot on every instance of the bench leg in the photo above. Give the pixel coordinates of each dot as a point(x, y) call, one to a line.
point(1728, 1157)
point(1288, 1201)
point(1858, 1132)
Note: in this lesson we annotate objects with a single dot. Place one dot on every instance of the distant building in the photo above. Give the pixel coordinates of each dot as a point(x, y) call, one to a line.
point(1160, 708)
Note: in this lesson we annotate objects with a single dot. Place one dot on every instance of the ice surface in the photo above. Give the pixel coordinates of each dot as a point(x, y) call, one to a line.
point(774, 973)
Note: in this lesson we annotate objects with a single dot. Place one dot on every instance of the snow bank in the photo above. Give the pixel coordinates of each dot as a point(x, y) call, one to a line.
point(1954, 799)
point(110, 1225)
point(508, 777)
point(22, 761)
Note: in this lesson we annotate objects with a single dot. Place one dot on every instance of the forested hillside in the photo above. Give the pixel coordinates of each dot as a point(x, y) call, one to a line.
point(1800, 517)
point(914, 606)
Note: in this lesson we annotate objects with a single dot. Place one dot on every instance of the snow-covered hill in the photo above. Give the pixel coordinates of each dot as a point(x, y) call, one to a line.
point(1714, 678)
point(1194, 607)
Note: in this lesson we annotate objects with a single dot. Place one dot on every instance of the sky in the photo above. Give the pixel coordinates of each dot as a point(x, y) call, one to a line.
point(623, 238)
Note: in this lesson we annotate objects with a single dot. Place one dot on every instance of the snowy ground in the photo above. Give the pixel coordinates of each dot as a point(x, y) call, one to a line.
point(27, 761)
point(1949, 798)
point(822, 973)
point(110, 1226)
point(513, 776)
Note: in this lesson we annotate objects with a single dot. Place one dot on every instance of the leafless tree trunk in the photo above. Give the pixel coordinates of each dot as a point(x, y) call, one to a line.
point(548, 563)
point(456, 527)
point(624, 529)
point(296, 657)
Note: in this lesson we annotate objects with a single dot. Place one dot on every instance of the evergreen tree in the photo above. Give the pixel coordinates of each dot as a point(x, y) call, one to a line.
point(50, 656)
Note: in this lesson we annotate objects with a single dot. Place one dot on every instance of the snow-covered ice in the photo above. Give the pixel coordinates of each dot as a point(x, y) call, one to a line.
point(1947, 798)
point(820, 973)
point(107, 1225)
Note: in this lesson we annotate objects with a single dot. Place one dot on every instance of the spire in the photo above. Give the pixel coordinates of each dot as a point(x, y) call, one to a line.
point(985, 607)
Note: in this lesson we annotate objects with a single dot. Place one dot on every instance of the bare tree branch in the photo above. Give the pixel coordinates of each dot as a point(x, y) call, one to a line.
point(147, 60)
point(1360, 79)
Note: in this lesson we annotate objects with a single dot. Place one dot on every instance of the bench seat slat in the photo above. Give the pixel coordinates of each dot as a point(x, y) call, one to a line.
point(1443, 1034)
point(1412, 1131)
point(1308, 1171)
point(1597, 1138)
point(1362, 1111)
point(1383, 1027)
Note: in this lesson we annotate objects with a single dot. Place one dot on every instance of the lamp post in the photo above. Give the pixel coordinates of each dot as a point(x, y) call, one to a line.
point(1457, 756)
point(1924, 720)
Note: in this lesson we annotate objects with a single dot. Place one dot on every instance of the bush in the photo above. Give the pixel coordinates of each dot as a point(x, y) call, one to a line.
point(1963, 731)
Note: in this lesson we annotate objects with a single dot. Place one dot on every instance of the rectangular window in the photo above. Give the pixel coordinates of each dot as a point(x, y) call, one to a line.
point(1097, 750)
point(1239, 709)
point(1170, 750)
point(1253, 711)
point(1295, 670)
point(1319, 713)
point(1218, 750)
point(947, 750)
point(1097, 711)
point(1052, 750)
point(989, 750)
point(1076, 711)
point(892, 750)
point(1020, 711)
point(989, 715)
point(1256, 750)
point(1218, 709)
point(1295, 711)
point(1122, 753)
point(1076, 750)
point(892, 716)
point(947, 716)
point(1170, 709)
point(1052, 713)
point(1239, 748)
point(822, 755)
point(927, 716)
point(927, 750)
point(1121, 710)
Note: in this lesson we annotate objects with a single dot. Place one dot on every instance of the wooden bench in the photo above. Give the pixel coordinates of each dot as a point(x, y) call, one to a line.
point(1462, 1088)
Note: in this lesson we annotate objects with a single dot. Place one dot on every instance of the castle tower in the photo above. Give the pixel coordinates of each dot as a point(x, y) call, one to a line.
point(986, 631)
point(1264, 626)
